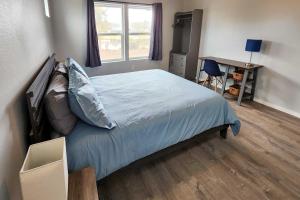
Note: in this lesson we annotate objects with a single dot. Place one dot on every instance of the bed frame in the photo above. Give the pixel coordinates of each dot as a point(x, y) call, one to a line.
point(176, 147)
point(41, 128)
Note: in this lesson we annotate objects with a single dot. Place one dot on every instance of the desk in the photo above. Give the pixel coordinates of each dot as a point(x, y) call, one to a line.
point(247, 79)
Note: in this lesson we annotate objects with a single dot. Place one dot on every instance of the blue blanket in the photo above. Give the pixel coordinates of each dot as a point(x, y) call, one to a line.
point(153, 109)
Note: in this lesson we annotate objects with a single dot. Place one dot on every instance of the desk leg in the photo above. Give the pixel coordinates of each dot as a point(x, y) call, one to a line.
point(225, 81)
point(254, 84)
point(246, 73)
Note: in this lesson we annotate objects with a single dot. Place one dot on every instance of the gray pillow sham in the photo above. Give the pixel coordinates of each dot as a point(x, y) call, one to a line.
point(57, 107)
point(62, 69)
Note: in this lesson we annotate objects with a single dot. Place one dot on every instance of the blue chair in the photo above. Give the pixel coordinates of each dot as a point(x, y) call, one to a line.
point(212, 69)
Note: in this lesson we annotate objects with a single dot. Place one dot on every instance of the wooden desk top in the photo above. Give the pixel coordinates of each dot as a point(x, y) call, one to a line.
point(82, 185)
point(232, 63)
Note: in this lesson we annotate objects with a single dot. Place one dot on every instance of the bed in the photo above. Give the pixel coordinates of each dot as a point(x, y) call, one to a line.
point(154, 110)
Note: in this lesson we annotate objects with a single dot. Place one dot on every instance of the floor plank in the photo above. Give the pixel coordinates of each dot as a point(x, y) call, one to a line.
point(262, 162)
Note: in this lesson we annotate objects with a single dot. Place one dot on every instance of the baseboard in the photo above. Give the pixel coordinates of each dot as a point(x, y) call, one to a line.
point(282, 109)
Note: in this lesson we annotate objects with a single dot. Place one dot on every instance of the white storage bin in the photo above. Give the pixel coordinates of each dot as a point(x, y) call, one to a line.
point(44, 174)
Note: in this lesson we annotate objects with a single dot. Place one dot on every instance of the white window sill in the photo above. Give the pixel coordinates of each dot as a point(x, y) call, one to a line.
point(122, 61)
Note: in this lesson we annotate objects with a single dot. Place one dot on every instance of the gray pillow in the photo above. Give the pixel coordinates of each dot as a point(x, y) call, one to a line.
point(57, 107)
point(62, 69)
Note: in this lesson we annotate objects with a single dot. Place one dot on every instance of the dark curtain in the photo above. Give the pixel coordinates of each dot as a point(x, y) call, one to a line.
point(156, 36)
point(93, 55)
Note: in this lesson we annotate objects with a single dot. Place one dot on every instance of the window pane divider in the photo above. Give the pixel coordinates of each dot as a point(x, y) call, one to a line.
point(139, 33)
point(126, 28)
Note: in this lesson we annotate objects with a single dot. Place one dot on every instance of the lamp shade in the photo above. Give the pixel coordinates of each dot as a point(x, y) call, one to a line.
point(253, 45)
point(44, 174)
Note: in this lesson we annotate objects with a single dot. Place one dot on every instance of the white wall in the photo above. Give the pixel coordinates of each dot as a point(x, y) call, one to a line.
point(227, 25)
point(69, 28)
point(25, 43)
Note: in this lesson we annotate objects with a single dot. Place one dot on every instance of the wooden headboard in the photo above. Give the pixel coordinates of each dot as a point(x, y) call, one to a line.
point(35, 101)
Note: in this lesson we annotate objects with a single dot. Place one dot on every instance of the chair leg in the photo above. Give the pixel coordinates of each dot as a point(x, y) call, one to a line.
point(204, 82)
point(216, 86)
point(218, 80)
point(221, 80)
point(210, 81)
point(207, 81)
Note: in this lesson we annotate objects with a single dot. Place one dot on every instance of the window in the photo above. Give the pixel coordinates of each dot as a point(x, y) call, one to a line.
point(124, 31)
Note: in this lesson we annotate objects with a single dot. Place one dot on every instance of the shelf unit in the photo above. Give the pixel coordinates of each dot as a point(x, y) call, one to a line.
point(247, 85)
point(186, 43)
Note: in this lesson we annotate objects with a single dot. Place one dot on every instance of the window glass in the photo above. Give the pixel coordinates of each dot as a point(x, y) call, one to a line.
point(139, 46)
point(110, 31)
point(110, 47)
point(140, 19)
point(108, 18)
point(140, 22)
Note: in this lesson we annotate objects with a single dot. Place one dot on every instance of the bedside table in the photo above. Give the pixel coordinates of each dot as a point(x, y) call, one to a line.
point(82, 185)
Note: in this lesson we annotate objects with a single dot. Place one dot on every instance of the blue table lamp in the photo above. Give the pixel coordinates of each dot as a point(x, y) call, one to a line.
point(253, 46)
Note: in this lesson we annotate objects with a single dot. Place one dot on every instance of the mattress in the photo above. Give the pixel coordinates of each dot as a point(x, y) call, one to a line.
point(153, 110)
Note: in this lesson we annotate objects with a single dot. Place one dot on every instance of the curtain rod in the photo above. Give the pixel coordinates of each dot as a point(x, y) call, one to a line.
point(124, 2)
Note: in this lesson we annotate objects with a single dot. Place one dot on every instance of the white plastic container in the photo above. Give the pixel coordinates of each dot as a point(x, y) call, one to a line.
point(44, 174)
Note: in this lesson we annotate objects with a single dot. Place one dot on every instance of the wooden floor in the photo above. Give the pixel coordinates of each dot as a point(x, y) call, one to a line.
point(262, 162)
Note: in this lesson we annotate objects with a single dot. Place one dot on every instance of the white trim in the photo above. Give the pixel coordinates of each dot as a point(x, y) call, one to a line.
point(137, 6)
point(127, 61)
point(113, 60)
point(280, 108)
point(138, 58)
point(108, 4)
point(47, 10)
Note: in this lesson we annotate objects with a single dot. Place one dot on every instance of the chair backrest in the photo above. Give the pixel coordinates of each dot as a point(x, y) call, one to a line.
point(211, 67)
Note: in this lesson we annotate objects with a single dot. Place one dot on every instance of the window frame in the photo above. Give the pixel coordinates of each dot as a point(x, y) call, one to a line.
point(125, 31)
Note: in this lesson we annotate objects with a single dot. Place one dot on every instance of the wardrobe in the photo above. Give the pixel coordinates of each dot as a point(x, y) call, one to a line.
point(186, 43)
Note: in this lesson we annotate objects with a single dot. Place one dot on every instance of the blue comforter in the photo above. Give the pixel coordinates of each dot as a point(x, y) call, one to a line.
point(152, 109)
